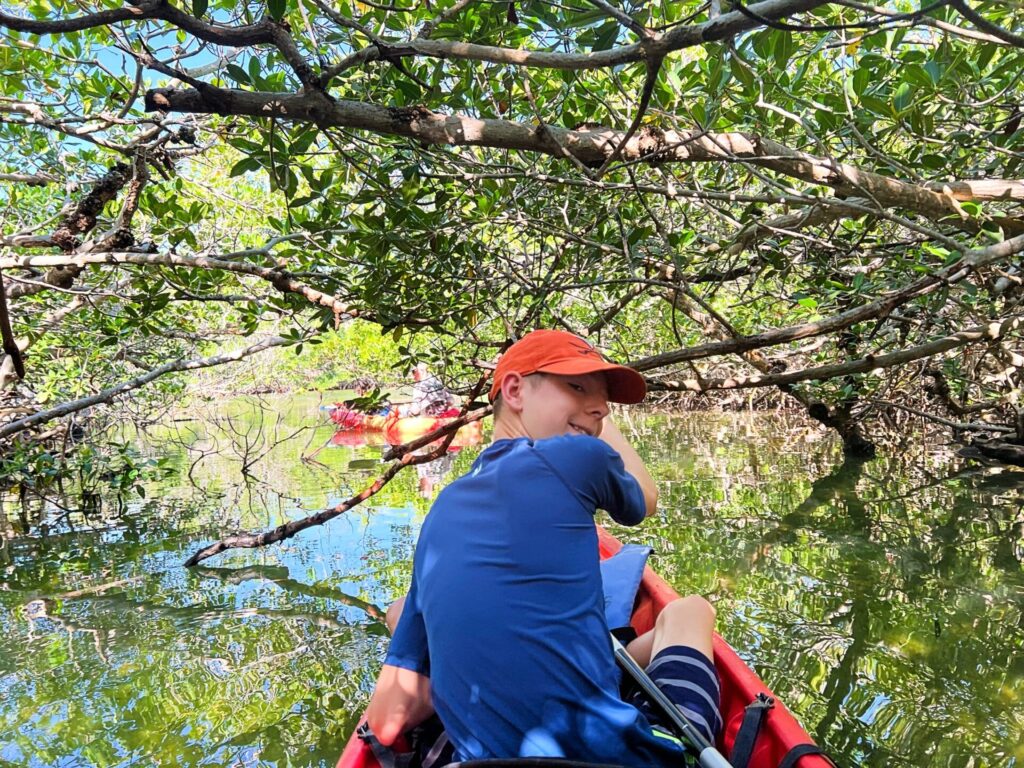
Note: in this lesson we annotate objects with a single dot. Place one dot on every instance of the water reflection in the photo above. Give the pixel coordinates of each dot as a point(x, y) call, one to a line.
point(883, 601)
point(279, 575)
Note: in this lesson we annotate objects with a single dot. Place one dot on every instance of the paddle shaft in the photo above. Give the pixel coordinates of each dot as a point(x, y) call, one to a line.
point(708, 756)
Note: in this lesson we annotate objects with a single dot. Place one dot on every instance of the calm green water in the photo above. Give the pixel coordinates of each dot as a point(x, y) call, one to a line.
point(884, 602)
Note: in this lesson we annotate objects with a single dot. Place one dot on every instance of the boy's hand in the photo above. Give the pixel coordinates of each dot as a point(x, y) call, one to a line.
point(400, 701)
point(634, 464)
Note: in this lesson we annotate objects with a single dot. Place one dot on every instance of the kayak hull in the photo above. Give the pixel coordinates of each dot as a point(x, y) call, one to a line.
point(400, 429)
point(780, 731)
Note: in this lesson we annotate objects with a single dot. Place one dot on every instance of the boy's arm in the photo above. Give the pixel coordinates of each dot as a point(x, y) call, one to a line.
point(400, 701)
point(634, 464)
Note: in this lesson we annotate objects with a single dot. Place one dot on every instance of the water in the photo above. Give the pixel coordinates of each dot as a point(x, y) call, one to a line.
point(882, 601)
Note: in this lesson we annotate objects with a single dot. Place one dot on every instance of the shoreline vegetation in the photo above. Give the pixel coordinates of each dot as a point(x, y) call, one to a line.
point(358, 357)
point(286, 199)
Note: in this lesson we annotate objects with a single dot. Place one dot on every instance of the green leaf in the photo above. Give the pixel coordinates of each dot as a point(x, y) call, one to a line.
point(699, 114)
point(903, 97)
point(606, 36)
point(254, 70)
point(915, 74)
point(876, 105)
point(934, 70)
point(238, 74)
point(741, 72)
point(785, 47)
point(298, 202)
point(244, 166)
point(277, 8)
point(199, 7)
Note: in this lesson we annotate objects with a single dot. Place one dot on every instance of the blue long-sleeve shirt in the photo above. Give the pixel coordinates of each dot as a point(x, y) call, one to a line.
point(505, 612)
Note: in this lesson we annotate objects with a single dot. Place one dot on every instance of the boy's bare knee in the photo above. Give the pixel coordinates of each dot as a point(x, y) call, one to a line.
point(690, 609)
point(688, 621)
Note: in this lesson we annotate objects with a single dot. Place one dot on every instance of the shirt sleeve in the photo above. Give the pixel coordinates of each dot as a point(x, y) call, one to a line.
point(596, 474)
point(409, 649)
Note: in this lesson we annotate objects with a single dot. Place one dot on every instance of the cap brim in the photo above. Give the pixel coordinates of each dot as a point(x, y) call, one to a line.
point(624, 384)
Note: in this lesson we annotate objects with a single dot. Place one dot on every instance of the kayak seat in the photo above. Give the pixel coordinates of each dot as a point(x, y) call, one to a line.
point(620, 581)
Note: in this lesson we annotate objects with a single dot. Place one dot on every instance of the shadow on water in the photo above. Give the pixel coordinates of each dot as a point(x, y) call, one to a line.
point(279, 575)
point(882, 601)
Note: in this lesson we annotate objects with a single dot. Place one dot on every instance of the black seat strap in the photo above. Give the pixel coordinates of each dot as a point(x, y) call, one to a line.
point(386, 756)
point(802, 750)
point(746, 737)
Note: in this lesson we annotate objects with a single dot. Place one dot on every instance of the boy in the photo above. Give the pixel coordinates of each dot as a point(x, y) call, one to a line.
point(503, 630)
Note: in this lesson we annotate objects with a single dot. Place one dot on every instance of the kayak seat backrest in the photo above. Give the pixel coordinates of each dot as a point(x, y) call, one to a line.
point(620, 580)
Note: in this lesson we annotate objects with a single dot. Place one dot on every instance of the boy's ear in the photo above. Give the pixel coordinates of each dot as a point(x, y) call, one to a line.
point(512, 387)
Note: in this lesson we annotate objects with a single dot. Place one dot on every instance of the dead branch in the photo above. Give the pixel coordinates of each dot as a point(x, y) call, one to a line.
point(959, 426)
point(105, 396)
point(453, 426)
point(287, 530)
point(279, 278)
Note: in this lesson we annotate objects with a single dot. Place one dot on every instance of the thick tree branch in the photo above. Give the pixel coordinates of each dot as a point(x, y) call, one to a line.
point(879, 308)
point(590, 147)
point(723, 27)
point(980, 189)
point(992, 331)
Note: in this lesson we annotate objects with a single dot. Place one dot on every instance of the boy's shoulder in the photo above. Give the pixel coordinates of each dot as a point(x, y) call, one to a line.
point(572, 456)
point(567, 446)
point(573, 445)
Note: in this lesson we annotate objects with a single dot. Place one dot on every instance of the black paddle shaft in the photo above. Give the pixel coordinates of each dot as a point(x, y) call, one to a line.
point(708, 756)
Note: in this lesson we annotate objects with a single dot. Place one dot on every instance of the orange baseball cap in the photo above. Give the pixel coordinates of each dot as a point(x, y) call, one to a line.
point(560, 352)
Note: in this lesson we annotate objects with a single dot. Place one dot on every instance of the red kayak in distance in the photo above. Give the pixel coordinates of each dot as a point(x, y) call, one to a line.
point(396, 429)
point(779, 733)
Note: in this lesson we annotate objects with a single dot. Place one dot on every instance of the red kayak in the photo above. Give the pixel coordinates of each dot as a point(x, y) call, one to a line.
point(400, 429)
point(779, 734)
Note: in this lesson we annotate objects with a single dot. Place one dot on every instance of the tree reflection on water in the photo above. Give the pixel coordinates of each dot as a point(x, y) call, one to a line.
point(882, 601)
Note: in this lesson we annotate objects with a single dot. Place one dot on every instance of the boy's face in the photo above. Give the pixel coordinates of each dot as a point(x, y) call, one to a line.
point(564, 405)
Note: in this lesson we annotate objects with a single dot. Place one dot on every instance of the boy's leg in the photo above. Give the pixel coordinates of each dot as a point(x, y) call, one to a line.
point(640, 648)
point(679, 650)
point(688, 621)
